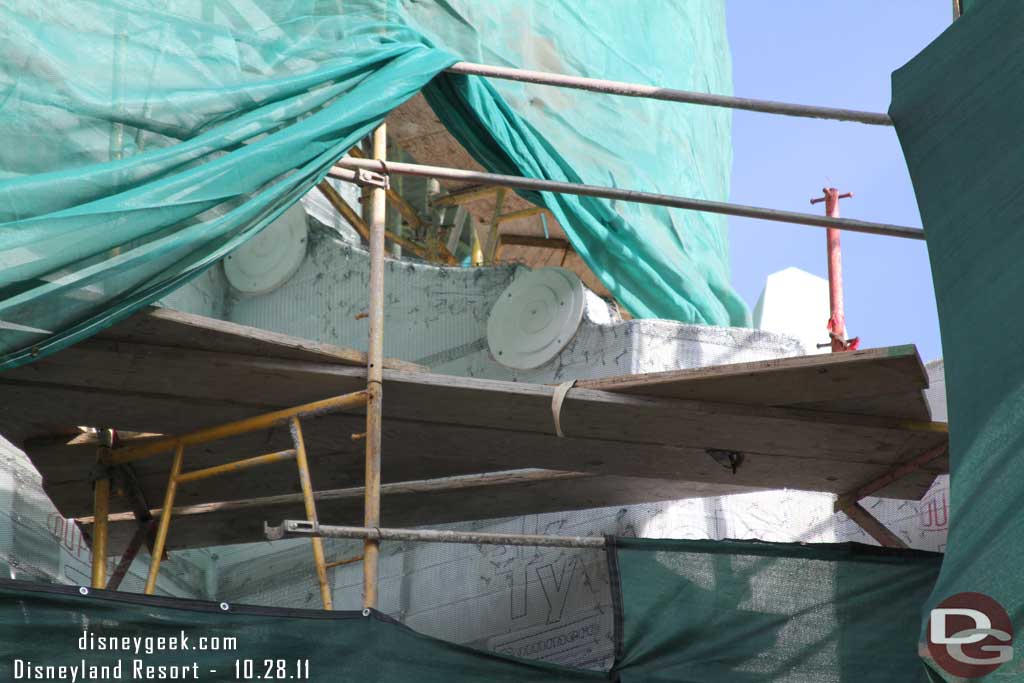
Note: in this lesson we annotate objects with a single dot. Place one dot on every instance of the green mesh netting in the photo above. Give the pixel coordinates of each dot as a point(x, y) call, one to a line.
point(958, 108)
point(688, 611)
point(737, 611)
point(140, 142)
point(657, 262)
point(43, 626)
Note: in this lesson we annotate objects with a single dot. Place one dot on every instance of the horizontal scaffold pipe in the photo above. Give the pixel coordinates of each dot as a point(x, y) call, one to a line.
point(292, 527)
point(517, 182)
point(145, 449)
point(668, 94)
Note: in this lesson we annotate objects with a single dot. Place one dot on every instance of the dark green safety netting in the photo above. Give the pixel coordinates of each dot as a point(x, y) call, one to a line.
point(43, 626)
point(739, 611)
point(141, 141)
point(690, 611)
point(958, 108)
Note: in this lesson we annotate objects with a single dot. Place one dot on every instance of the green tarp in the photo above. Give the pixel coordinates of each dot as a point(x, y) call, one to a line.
point(958, 108)
point(687, 611)
point(657, 262)
point(741, 611)
point(142, 141)
point(43, 626)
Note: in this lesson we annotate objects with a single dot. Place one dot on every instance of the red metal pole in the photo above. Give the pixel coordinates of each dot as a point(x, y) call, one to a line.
point(837, 318)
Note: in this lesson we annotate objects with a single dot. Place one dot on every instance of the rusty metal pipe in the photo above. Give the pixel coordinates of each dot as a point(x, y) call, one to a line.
point(837, 315)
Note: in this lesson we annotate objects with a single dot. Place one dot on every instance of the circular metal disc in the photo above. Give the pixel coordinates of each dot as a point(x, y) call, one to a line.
point(269, 259)
point(535, 317)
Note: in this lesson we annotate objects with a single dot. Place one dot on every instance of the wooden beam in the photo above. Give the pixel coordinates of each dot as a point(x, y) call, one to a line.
point(466, 195)
point(143, 530)
point(522, 213)
point(510, 240)
point(126, 477)
point(895, 474)
point(343, 208)
point(409, 213)
point(874, 528)
point(492, 234)
point(531, 242)
point(353, 219)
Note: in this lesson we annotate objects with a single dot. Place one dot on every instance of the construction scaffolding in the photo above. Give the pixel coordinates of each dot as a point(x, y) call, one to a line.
point(191, 419)
point(918, 444)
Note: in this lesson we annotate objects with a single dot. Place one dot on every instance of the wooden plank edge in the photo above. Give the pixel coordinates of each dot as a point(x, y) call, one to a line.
point(874, 528)
point(328, 352)
point(755, 368)
point(846, 500)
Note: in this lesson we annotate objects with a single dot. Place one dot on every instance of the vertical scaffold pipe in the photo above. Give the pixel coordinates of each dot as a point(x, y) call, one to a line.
point(374, 377)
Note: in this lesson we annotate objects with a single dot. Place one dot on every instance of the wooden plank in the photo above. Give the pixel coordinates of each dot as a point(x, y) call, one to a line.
point(435, 426)
point(871, 524)
point(895, 474)
point(510, 240)
point(419, 451)
point(853, 382)
point(128, 554)
point(271, 384)
point(170, 328)
point(478, 497)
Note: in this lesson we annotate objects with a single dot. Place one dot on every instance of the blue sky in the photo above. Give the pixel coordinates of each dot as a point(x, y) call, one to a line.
point(834, 53)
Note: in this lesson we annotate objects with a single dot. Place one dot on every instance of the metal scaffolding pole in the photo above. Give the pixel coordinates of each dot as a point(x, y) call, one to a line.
point(101, 511)
point(294, 527)
point(374, 374)
point(481, 178)
point(670, 95)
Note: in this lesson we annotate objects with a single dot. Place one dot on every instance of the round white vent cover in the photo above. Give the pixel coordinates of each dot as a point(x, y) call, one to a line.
point(269, 259)
point(535, 317)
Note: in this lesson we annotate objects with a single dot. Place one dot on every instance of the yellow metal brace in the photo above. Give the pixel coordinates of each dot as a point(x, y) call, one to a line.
point(176, 477)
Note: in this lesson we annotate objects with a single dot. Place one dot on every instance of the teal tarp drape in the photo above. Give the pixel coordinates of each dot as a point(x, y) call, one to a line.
point(958, 108)
point(43, 626)
point(746, 611)
point(695, 611)
point(141, 141)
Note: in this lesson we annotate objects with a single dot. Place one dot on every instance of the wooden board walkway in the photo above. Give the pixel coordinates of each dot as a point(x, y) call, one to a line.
point(823, 423)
